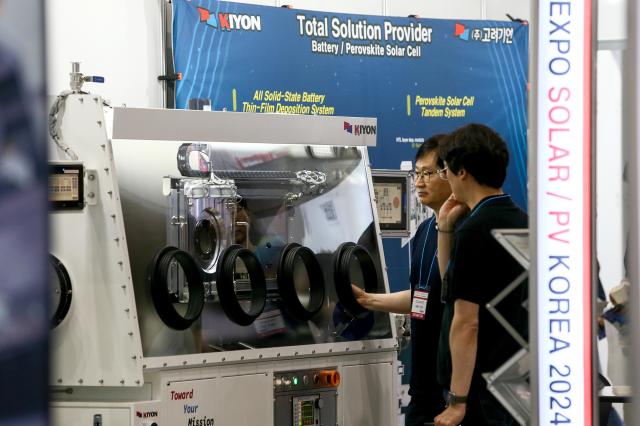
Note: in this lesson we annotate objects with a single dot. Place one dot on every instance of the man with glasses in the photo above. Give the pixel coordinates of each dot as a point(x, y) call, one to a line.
point(475, 268)
point(423, 299)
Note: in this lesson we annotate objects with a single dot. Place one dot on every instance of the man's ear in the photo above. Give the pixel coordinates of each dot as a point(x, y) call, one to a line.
point(462, 174)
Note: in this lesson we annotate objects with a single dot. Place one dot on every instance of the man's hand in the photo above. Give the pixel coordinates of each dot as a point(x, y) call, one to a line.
point(451, 416)
point(362, 297)
point(398, 302)
point(451, 212)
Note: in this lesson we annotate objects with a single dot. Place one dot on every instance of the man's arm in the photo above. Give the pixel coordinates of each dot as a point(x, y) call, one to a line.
point(463, 341)
point(398, 302)
point(450, 213)
point(445, 241)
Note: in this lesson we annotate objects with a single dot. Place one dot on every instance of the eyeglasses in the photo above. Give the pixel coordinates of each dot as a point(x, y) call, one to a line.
point(426, 174)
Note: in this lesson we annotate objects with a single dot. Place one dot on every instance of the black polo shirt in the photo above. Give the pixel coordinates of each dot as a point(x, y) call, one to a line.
point(425, 333)
point(479, 268)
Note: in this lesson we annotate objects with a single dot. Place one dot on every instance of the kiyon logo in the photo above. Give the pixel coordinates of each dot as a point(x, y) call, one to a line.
point(147, 414)
point(359, 129)
point(461, 32)
point(230, 21)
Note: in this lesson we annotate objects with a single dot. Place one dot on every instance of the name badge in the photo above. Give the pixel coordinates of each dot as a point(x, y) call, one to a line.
point(419, 304)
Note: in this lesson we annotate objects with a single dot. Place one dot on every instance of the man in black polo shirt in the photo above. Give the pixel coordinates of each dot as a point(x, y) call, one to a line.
point(476, 269)
point(423, 299)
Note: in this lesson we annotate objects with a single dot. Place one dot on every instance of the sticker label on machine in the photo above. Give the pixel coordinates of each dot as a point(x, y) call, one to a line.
point(147, 412)
point(270, 323)
point(189, 403)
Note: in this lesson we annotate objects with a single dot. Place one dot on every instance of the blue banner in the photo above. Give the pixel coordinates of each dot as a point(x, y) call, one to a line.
point(418, 77)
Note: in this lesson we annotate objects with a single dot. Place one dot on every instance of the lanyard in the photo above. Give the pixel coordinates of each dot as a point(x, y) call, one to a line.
point(435, 255)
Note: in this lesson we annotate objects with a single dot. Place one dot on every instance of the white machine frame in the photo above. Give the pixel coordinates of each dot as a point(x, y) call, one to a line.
point(369, 368)
point(98, 343)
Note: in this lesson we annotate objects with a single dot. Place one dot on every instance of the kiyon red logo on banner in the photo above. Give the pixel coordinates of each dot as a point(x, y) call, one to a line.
point(230, 21)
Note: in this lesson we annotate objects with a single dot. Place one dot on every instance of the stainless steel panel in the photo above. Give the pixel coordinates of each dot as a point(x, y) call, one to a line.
point(280, 212)
point(363, 388)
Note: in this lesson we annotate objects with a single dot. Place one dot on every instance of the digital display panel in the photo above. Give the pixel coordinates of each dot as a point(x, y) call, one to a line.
point(66, 186)
point(307, 413)
point(391, 202)
point(63, 187)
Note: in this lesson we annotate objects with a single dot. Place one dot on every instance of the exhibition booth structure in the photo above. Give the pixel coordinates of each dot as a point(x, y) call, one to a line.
point(199, 277)
point(203, 259)
point(204, 254)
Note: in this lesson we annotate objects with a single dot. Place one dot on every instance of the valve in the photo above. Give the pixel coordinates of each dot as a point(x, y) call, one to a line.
point(77, 79)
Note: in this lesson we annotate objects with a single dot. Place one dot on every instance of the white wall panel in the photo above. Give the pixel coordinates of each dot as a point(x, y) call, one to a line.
point(368, 7)
point(612, 20)
point(497, 9)
point(610, 166)
point(118, 39)
point(260, 2)
point(121, 39)
point(451, 9)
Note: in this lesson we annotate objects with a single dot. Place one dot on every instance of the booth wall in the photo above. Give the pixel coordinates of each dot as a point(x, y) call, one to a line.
point(612, 221)
point(612, 224)
point(122, 40)
point(117, 39)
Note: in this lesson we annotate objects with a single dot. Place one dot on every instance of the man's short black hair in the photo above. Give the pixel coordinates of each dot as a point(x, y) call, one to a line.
point(430, 145)
point(480, 151)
